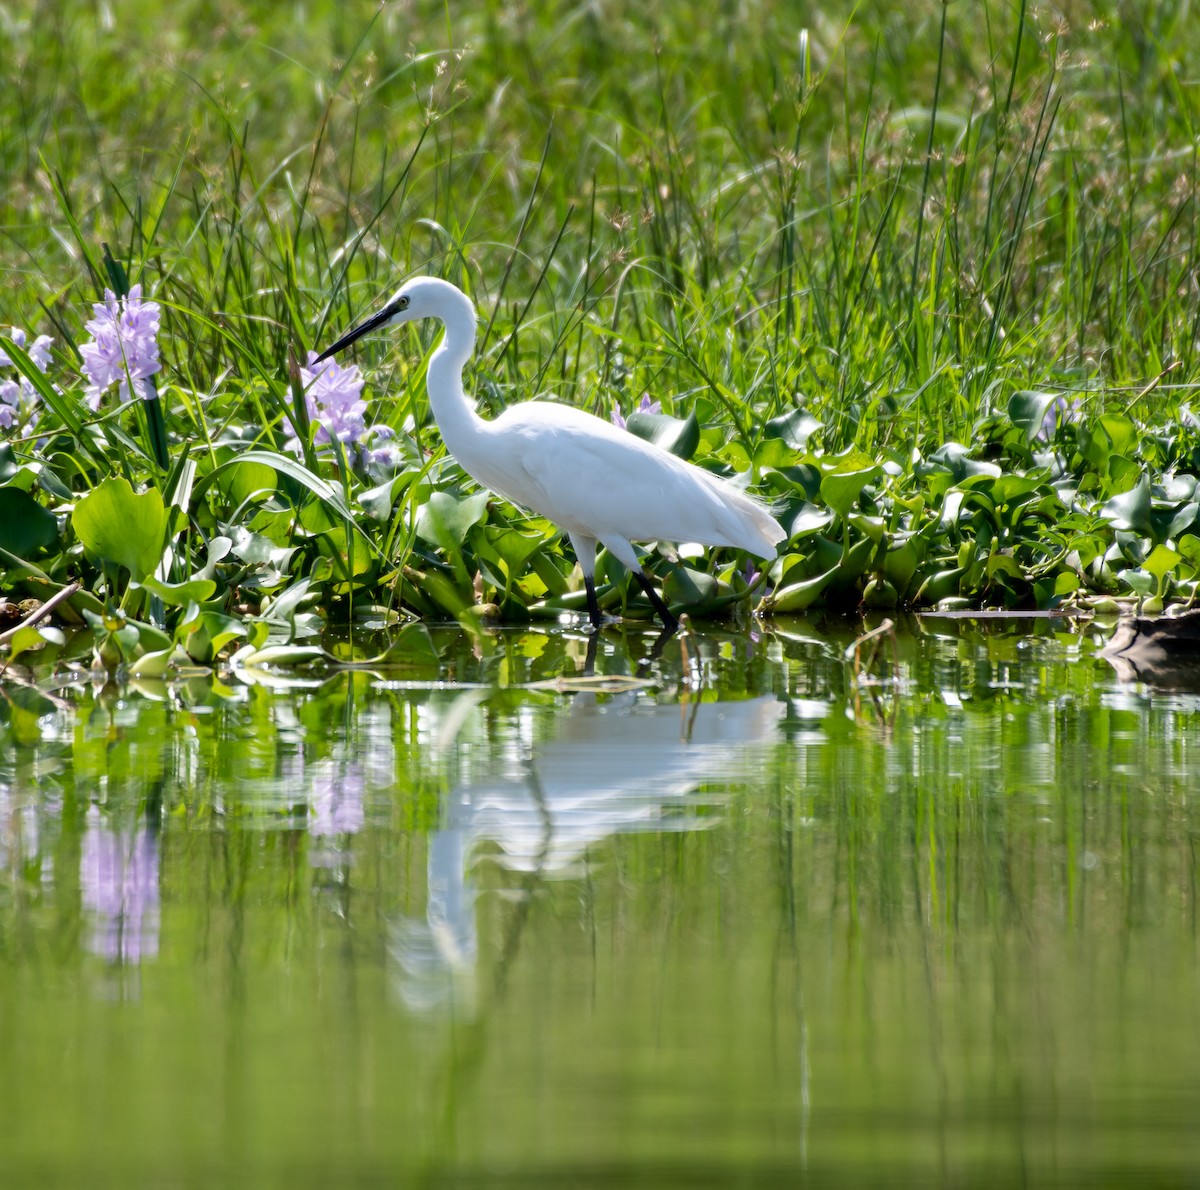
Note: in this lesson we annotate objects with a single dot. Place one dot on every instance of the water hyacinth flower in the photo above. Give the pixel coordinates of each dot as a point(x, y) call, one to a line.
point(124, 346)
point(18, 397)
point(645, 406)
point(333, 394)
point(1059, 413)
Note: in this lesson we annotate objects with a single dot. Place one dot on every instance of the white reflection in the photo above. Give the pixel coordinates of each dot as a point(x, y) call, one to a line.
point(617, 767)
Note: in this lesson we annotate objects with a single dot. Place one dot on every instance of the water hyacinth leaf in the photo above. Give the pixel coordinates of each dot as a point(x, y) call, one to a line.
point(956, 458)
point(901, 561)
point(26, 639)
point(446, 519)
point(329, 496)
point(1122, 433)
point(248, 481)
point(8, 463)
point(153, 665)
point(210, 633)
point(121, 526)
point(1003, 565)
point(880, 593)
point(794, 428)
point(942, 584)
point(378, 502)
point(1161, 561)
point(841, 489)
point(1130, 510)
point(195, 590)
point(691, 589)
point(771, 452)
point(870, 526)
point(513, 547)
point(804, 478)
point(1139, 580)
point(286, 604)
point(797, 597)
point(412, 647)
point(1179, 488)
point(25, 526)
point(680, 437)
point(281, 655)
point(1182, 519)
point(809, 519)
point(252, 548)
point(1027, 411)
point(1124, 472)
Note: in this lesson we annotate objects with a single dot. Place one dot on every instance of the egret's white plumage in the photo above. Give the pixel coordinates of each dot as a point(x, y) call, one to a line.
point(598, 482)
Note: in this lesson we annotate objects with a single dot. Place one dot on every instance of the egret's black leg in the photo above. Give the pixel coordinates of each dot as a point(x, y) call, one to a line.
point(593, 603)
point(669, 622)
point(650, 660)
point(589, 665)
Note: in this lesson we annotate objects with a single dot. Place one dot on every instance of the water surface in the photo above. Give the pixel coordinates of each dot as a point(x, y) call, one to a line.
point(749, 921)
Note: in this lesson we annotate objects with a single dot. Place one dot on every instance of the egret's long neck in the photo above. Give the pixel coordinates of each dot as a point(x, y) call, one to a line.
point(453, 412)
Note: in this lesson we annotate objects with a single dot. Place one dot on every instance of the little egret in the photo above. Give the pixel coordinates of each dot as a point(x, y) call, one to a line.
point(599, 483)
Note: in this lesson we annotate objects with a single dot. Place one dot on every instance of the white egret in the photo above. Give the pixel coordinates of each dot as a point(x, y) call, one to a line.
point(599, 483)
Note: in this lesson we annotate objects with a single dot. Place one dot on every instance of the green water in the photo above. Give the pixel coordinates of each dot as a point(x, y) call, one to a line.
point(749, 924)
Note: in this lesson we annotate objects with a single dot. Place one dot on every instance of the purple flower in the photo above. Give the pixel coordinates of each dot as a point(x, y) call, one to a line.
point(644, 406)
point(336, 407)
point(333, 394)
point(10, 403)
point(18, 398)
point(1060, 412)
point(378, 448)
point(39, 352)
point(118, 882)
point(124, 346)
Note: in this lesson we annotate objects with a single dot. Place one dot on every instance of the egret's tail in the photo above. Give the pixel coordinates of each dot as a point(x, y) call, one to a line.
point(745, 522)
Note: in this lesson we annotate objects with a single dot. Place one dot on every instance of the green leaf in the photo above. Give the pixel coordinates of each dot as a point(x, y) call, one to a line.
point(1122, 433)
point(327, 494)
point(446, 519)
point(1162, 561)
point(248, 480)
point(513, 547)
point(23, 640)
point(121, 526)
point(195, 590)
point(679, 437)
point(691, 588)
point(841, 489)
point(211, 632)
point(25, 526)
point(795, 428)
point(796, 597)
point(1027, 411)
point(1131, 510)
point(413, 646)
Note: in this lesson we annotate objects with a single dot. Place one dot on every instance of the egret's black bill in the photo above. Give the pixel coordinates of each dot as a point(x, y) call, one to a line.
point(363, 328)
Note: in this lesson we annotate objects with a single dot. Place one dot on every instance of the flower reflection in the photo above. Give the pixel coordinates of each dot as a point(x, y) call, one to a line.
point(335, 801)
point(118, 879)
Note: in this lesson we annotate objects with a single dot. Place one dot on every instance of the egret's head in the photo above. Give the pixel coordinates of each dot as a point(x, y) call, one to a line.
point(422, 297)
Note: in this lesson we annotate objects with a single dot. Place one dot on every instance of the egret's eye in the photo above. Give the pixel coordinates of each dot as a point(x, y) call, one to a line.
point(402, 303)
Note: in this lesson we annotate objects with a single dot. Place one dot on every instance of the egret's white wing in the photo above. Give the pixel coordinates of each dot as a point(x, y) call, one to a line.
point(593, 478)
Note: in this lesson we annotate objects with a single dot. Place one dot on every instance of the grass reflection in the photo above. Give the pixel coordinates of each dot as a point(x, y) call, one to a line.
point(734, 921)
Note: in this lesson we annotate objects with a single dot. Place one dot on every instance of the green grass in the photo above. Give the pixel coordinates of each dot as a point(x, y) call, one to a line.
point(893, 219)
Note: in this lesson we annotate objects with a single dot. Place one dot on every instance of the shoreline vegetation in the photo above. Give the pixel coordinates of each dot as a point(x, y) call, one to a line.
point(926, 280)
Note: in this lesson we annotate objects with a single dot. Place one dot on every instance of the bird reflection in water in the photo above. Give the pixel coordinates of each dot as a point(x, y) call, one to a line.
point(618, 764)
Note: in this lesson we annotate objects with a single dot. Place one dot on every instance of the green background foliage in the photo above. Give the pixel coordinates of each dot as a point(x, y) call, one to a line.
point(870, 249)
